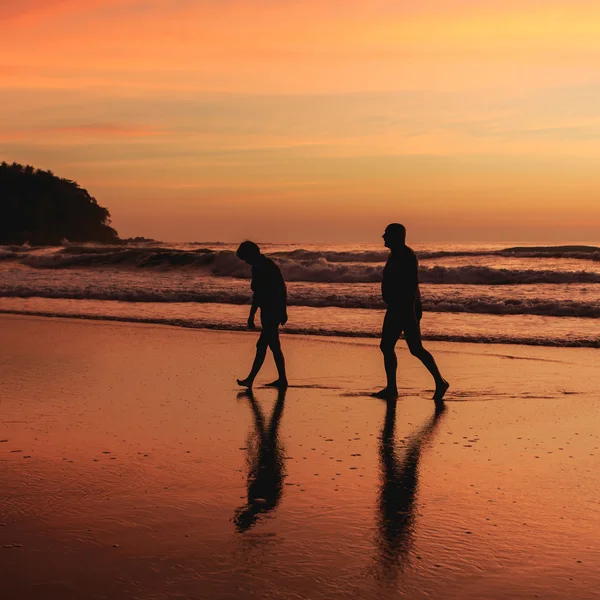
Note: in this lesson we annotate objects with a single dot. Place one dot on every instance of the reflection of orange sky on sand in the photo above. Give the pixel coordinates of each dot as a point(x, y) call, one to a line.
point(134, 437)
point(477, 106)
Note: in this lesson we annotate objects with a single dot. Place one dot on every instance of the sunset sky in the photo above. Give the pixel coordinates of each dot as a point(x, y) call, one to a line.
point(314, 120)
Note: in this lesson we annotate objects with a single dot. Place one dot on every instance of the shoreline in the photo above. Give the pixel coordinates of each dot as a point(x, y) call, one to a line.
point(451, 339)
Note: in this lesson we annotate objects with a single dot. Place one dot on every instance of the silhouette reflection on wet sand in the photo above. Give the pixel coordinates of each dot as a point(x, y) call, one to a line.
point(266, 464)
point(398, 491)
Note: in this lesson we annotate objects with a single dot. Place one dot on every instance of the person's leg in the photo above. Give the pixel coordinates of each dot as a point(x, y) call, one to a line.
point(390, 334)
point(412, 334)
point(275, 345)
point(259, 359)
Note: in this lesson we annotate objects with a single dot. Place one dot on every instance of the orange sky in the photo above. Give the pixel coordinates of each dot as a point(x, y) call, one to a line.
point(313, 121)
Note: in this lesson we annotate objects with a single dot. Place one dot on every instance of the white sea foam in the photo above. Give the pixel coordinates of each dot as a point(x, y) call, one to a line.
point(314, 298)
point(301, 265)
point(541, 281)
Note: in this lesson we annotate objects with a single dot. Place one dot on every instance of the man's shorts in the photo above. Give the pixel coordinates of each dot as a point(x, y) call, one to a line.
point(270, 320)
point(397, 322)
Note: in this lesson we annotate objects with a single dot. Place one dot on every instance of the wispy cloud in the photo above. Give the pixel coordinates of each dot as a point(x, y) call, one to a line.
point(104, 129)
point(65, 133)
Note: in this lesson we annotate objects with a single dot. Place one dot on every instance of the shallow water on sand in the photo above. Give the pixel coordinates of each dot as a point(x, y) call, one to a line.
point(447, 326)
point(132, 468)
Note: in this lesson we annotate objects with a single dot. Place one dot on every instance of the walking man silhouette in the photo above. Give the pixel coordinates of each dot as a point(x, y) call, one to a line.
point(270, 295)
point(400, 291)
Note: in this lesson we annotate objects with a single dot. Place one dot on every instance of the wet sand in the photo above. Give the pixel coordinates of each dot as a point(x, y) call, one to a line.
point(131, 468)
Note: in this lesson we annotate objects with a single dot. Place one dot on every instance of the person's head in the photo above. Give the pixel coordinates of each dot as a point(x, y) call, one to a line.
point(248, 252)
point(394, 236)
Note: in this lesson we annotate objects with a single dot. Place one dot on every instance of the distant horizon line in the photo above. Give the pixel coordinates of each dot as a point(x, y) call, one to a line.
point(568, 242)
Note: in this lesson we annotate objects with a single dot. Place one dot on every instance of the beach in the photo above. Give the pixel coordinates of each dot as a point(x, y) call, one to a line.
point(132, 468)
point(184, 185)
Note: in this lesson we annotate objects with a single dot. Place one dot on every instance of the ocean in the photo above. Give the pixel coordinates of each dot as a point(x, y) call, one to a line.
point(495, 293)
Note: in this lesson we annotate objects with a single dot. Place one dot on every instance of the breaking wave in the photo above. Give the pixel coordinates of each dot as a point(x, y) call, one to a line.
point(371, 256)
point(141, 255)
point(319, 270)
point(297, 265)
point(98, 256)
point(313, 298)
point(572, 252)
point(475, 275)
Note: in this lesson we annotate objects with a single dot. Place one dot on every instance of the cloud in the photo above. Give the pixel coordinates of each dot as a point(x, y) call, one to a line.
point(104, 129)
point(14, 10)
point(89, 131)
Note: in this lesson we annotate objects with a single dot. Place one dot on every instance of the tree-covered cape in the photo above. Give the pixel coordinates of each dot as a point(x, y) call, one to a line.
point(39, 208)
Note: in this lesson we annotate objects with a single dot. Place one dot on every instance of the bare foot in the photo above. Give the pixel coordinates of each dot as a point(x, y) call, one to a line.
point(386, 394)
point(440, 390)
point(278, 383)
point(245, 382)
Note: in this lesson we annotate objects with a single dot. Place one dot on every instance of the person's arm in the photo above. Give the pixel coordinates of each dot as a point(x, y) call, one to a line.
point(285, 316)
point(385, 286)
point(253, 310)
point(282, 294)
point(413, 297)
point(254, 306)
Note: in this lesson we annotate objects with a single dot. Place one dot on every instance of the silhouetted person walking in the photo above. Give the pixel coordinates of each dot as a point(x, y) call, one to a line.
point(266, 463)
point(400, 291)
point(270, 295)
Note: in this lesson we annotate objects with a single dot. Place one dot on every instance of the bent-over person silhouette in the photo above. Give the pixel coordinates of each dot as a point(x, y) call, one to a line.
point(400, 291)
point(270, 295)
